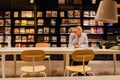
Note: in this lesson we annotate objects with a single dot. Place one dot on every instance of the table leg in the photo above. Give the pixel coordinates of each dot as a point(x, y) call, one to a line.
point(67, 62)
point(3, 65)
point(15, 64)
point(115, 63)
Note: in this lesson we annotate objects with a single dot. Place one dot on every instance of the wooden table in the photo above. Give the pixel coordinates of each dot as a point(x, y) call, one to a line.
point(55, 50)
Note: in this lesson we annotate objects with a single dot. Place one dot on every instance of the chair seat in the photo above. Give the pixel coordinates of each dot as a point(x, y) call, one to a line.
point(78, 68)
point(30, 68)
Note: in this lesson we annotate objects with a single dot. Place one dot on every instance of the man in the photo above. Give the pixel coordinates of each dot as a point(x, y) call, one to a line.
point(78, 39)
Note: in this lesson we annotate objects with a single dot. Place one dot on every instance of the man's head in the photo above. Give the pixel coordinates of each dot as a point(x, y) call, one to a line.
point(78, 31)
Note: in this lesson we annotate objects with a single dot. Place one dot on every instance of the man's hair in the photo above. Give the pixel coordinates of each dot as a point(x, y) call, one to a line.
point(79, 27)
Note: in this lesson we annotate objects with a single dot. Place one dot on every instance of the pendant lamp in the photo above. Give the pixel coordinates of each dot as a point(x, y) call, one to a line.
point(107, 11)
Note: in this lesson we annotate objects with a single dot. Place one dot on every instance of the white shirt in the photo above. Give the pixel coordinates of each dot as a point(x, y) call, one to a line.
point(81, 41)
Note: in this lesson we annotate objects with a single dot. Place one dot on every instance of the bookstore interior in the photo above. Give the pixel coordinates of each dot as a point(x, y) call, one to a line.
point(26, 23)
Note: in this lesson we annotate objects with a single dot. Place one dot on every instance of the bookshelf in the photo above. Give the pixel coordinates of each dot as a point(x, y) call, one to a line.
point(5, 27)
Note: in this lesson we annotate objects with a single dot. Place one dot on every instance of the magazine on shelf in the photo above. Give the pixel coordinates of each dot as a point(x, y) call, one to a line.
point(65, 22)
point(48, 13)
point(23, 22)
point(30, 23)
point(16, 30)
point(1, 38)
point(27, 14)
point(40, 22)
point(70, 13)
point(27, 31)
point(100, 30)
point(100, 23)
point(62, 14)
point(7, 22)
point(40, 31)
point(86, 22)
point(86, 14)
point(61, 1)
point(46, 38)
point(93, 30)
point(17, 38)
point(46, 30)
point(63, 39)
point(22, 30)
point(71, 30)
point(23, 45)
point(39, 14)
point(53, 22)
point(32, 31)
point(63, 30)
point(92, 22)
point(54, 38)
point(17, 22)
point(7, 14)
point(24, 38)
point(17, 45)
point(7, 30)
point(16, 14)
point(54, 14)
point(52, 30)
point(77, 13)
point(74, 21)
point(31, 38)
point(92, 13)
point(1, 22)
point(7, 38)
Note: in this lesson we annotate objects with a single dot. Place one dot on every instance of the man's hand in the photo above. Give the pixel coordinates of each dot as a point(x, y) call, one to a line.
point(77, 46)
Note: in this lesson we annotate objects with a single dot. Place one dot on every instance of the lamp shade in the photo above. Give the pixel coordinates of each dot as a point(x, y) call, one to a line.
point(107, 12)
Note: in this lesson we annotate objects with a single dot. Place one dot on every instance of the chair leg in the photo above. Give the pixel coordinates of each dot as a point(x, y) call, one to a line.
point(50, 65)
point(22, 75)
point(44, 74)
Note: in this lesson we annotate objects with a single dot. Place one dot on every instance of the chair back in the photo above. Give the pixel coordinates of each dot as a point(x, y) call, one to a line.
point(42, 45)
point(33, 55)
point(82, 55)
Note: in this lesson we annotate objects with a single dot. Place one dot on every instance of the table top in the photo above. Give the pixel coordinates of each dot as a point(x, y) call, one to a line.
point(69, 78)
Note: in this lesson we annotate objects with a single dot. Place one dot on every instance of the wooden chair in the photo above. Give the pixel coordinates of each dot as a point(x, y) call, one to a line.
point(47, 56)
point(80, 56)
point(33, 56)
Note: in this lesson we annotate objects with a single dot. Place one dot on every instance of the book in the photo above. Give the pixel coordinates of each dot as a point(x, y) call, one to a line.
point(46, 38)
point(100, 23)
point(1, 22)
point(46, 30)
point(17, 38)
point(7, 14)
point(62, 14)
point(7, 22)
point(54, 14)
point(32, 31)
point(65, 22)
point(7, 30)
point(71, 30)
point(40, 22)
point(93, 30)
point(61, 1)
point(92, 22)
point(23, 22)
point(27, 14)
point(15, 14)
point(70, 13)
point(7, 38)
point(62, 30)
point(24, 38)
point(53, 22)
point(86, 14)
point(92, 14)
point(30, 23)
point(31, 38)
point(23, 45)
point(1, 38)
point(17, 45)
point(17, 22)
point(52, 30)
point(100, 30)
point(48, 13)
point(63, 39)
point(22, 30)
point(16, 31)
point(40, 31)
point(77, 13)
point(86, 22)
point(54, 38)
point(39, 14)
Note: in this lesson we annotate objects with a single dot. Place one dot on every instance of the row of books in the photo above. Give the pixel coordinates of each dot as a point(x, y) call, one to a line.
point(5, 38)
point(24, 23)
point(47, 39)
point(5, 14)
point(5, 30)
point(89, 13)
point(92, 22)
point(24, 30)
point(29, 38)
point(46, 30)
point(5, 22)
point(94, 30)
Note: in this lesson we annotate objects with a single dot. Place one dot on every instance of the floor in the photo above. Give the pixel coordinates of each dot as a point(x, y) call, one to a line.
point(98, 67)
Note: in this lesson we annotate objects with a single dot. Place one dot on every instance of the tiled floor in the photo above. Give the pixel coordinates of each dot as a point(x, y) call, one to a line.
point(98, 67)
